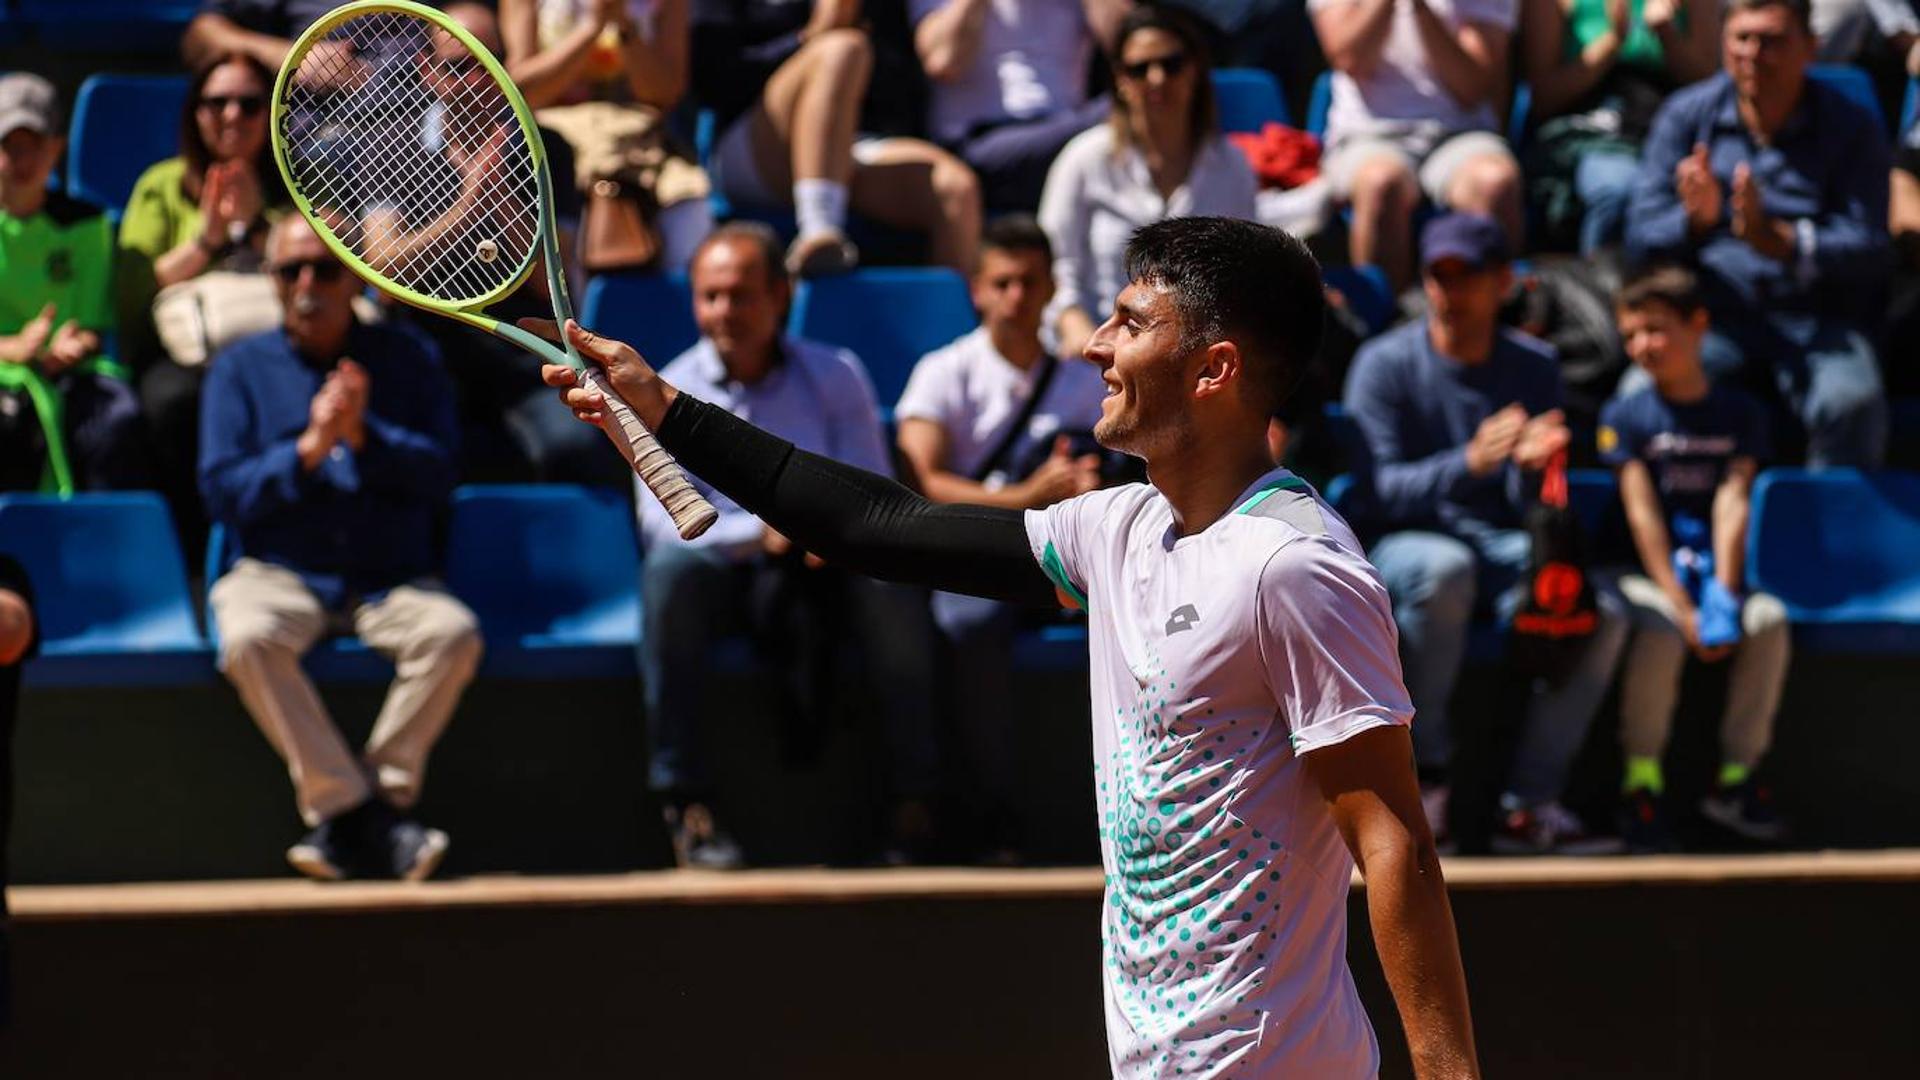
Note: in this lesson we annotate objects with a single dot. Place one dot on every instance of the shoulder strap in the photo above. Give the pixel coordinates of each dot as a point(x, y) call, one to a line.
point(1012, 434)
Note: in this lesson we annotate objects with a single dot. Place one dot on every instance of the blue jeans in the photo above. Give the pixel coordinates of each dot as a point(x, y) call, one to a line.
point(1832, 386)
point(693, 597)
point(1435, 581)
point(1604, 184)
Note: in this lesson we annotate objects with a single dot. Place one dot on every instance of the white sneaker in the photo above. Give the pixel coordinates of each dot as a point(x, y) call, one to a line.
point(1548, 829)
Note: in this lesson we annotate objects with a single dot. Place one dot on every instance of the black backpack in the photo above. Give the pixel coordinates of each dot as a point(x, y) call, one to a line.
point(1551, 629)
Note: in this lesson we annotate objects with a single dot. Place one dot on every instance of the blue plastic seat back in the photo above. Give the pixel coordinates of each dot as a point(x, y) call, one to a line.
point(106, 570)
point(152, 26)
point(121, 125)
point(546, 565)
point(1856, 84)
point(651, 312)
point(1249, 99)
point(1838, 545)
point(1318, 105)
point(889, 317)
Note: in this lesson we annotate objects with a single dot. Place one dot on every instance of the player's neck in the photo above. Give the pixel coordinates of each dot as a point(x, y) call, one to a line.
point(1204, 479)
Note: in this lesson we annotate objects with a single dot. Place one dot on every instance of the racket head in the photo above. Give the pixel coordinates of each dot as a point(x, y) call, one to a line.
point(391, 122)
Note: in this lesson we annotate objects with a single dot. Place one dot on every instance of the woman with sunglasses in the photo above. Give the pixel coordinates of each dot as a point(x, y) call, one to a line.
point(1160, 155)
point(205, 210)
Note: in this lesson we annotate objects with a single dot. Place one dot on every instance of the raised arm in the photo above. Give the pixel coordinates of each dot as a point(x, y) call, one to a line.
point(948, 39)
point(847, 516)
point(1369, 786)
point(1470, 62)
point(211, 34)
point(1352, 33)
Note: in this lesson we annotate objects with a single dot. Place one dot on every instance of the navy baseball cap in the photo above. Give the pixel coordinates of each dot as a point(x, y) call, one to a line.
point(1474, 239)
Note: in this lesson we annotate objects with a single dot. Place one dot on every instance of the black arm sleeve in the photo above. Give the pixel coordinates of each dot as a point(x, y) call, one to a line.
point(853, 518)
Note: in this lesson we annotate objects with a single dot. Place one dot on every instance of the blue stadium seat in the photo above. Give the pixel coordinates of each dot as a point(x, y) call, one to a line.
point(1366, 291)
point(333, 660)
point(121, 125)
point(651, 312)
point(1318, 105)
point(1249, 99)
point(553, 572)
point(1856, 84)
point(110, 588)
point(1838, 547)
point(889, 317)
point(86, 26)
point(1909, 109)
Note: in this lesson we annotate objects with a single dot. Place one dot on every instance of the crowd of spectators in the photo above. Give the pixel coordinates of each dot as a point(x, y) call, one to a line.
point(213, 348)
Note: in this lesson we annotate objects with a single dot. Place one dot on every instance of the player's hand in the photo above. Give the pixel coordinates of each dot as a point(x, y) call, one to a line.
point(1699, 190)
point(1061, 476)
point(630, 377)
point(1542, 437)
point(25, 346)
point(1493, 441)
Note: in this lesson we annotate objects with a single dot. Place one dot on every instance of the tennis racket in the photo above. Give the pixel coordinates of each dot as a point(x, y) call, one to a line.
point(405, 144)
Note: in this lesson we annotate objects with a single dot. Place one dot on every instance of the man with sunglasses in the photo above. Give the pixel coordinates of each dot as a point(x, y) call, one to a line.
point(327, 451)
point(1775, 186)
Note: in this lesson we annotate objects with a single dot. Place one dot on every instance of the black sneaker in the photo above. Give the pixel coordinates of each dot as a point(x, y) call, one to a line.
point(1548, 829)
point(1745, 809)
point(699, 843)
point(340, 847)
point(1643, 824)
point(414, 851)
point(320, 855)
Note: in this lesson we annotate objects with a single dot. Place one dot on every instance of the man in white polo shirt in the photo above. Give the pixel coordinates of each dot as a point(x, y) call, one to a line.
point(1250, 723)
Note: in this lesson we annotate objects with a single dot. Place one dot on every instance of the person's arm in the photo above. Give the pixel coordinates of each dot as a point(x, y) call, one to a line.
point(1065, 214)
point(240, 480)
point(1368, 783)
point(1558, 82)
point(1471, 62)
point(543, 75)
point(1103, 20)
point(211, 34)
point(1691, 54)
point(831, 15)
point(847, 516)
point(948, 38)
point(924, 444)
point(1404, 489)
point(1352, 33)
point(1648, 524)
point(1732, 505)
point(1657, 224)
point(1848, 241)
point(657, 63)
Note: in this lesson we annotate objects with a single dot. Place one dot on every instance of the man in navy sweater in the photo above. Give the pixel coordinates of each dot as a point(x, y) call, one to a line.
point(1459, 416)
point(327, 450)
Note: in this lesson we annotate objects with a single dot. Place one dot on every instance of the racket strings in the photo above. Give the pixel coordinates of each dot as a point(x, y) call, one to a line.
point(413, 157)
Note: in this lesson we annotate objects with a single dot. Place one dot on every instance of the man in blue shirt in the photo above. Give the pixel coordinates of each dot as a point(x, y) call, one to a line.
point(741, 574)
point(1686, 450)
point(1774, 187)
point(327, 451)
point(1459, 415)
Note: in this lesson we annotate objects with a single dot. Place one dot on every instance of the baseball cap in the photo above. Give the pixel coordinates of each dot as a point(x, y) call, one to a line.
point(1474, 239)
point(29, 101)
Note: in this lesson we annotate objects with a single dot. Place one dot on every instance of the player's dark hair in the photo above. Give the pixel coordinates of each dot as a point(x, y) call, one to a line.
point(1240, 281)
point(193, 148)
point(1669, 284)
point(756, 234)
point(1016, 233)
point(1802, 10)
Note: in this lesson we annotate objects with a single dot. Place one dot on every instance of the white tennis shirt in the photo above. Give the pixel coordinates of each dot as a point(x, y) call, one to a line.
point(1218, 659)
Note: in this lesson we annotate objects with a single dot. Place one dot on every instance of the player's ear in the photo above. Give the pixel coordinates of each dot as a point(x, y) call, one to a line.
point(1221, 367)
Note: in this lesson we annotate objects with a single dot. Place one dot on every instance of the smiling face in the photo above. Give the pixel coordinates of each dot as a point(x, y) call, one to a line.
point(316, 292)
point(737, 301)
point(231, 113)
point(1148, 370)
point(1662, 340)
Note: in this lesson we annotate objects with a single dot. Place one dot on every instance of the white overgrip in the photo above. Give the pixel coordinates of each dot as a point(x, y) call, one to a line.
point(692, 514)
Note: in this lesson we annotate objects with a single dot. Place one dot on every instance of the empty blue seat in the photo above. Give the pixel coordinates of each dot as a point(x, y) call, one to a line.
point(110, 589)
point(889, 317)
point(1249, 99)
point(651, 312)
point(1838, 547)
point(121, 125)
point(1856, 84)
point(1318, 105)
point(552, 571)
point(1366, 291)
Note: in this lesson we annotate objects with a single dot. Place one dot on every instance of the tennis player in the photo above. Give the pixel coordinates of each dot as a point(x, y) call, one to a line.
point(1249, 718)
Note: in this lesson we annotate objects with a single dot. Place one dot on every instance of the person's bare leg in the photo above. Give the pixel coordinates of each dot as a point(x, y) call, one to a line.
point(802, 132)
point(912, 184)
point(1490, 185)
point(1384, 196)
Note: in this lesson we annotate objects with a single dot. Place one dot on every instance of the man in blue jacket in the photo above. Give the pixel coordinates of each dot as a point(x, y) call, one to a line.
point(327, 451)
point(1773, 187)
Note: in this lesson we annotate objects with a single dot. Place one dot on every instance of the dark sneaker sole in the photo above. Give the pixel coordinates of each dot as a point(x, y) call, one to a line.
point(1728, 817)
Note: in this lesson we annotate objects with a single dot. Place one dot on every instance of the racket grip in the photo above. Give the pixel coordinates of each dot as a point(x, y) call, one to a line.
point(692, 514)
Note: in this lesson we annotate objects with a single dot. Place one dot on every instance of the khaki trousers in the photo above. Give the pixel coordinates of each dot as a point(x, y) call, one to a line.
point(623, 140)
point(267, 619)
point(1650, 686)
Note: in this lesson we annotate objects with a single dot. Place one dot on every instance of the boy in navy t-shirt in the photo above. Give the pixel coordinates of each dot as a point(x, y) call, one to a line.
point(1686, 451)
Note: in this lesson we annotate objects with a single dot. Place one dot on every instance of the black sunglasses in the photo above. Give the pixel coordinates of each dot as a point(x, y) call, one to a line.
point(1170, 65)
point(325, 271)
point(250, 104)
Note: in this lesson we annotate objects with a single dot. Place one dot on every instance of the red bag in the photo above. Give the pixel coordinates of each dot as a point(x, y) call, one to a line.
point(1282, 157)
